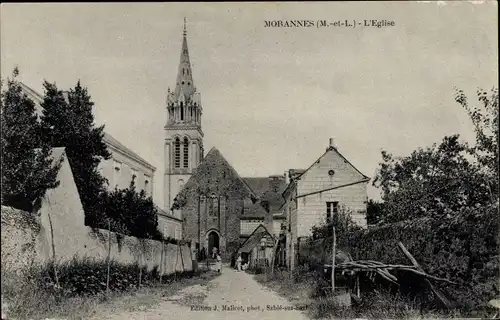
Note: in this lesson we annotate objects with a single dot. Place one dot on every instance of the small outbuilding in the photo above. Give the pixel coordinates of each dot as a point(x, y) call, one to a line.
point(257, 250)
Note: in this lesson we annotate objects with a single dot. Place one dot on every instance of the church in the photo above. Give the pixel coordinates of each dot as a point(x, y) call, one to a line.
point(218, 207)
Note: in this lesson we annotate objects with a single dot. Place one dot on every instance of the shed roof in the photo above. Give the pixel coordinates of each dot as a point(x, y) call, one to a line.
point(255, 239)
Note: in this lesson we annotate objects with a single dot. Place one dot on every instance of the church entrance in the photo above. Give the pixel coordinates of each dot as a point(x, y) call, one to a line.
point(213, 242)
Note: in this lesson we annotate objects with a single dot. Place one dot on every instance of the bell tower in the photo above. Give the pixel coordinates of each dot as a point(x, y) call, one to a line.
point(183, 134)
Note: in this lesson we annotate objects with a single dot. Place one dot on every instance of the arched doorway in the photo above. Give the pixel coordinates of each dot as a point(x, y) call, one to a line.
point(213, 242)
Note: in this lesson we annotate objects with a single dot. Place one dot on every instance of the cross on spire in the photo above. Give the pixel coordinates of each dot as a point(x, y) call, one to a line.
point(185, 31)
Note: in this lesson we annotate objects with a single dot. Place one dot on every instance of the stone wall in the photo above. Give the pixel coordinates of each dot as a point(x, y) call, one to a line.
point(59, 233)
point(29, 241)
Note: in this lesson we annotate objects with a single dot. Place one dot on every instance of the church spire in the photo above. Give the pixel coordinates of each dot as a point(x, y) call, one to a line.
point(184, 83)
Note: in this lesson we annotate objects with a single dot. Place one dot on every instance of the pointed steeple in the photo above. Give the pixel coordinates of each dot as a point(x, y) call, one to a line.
point(184, 73)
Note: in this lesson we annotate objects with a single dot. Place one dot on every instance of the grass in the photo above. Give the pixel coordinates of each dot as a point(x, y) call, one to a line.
point(26, 296)
point(306, 290)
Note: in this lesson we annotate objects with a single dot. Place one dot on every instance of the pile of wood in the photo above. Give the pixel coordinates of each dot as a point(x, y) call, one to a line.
point(375, 267)
point(382, 269)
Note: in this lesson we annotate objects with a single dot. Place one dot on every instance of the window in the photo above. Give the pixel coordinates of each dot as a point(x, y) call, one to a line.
point(186, 153)
point(147, 185)
point(331, 209)
point(117, 167)
point(134, 174)
point(177, 153)
point(213, 206)
point(182, 108)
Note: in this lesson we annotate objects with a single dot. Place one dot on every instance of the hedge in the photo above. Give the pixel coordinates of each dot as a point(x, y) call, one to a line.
point(463, 247)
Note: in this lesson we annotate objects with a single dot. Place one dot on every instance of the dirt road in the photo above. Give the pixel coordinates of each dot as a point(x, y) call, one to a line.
point(232, 295)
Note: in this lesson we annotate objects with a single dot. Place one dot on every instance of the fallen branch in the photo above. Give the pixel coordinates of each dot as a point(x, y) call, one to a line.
point(436, 291)
point(358, 266)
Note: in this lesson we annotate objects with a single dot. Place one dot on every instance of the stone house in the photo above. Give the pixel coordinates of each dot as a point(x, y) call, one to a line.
point(319, 192)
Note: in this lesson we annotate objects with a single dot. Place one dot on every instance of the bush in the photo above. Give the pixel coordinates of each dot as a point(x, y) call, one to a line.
point(82, 284)
point(462, 248)
point(88, 277)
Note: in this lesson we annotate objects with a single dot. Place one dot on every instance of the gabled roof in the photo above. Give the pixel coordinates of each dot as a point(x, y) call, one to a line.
point(215, 174)
point(254, 239)
point(337, 152)
point(293, 182)
point(110, 141)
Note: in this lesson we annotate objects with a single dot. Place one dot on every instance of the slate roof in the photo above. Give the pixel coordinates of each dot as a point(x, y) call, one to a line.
point(259, 185)
point(109, 140)
point(254, 239)
point(270, 200)
point(162, 212)
point(255, 211)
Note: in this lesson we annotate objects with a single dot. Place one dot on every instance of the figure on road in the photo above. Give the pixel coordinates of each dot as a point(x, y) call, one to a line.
point(219, 263)
point(238, 262)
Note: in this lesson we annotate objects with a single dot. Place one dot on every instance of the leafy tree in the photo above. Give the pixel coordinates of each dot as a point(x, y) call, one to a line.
point(443, 179)
point(132, 213)
point(28, 169)
point(434, 181)
point(484, 117)
point(374, 211)
point(70, 123)
point(343, 223)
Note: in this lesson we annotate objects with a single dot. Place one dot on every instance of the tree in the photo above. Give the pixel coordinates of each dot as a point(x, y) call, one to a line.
point(374, 212)
point(28, 169)
point(343, 223)
point(70, 124)
point(485, 120)
point(132, 213)
point(434, 181)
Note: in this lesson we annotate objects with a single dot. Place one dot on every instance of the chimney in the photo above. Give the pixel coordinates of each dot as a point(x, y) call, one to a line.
point(274, 183)
point(331, 144)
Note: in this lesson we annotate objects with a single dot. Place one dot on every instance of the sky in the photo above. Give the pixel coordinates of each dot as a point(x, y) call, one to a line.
point(272, 97)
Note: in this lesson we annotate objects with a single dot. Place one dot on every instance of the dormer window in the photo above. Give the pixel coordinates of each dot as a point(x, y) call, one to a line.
point(189, 83)
point(182, 82)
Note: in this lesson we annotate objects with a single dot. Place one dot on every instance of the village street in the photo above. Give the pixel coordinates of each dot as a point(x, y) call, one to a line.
point(232, 295)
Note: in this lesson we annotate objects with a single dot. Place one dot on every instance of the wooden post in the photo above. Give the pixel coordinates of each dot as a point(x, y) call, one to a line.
point(436, 291)
point(358, 289)
point(109, 257)
point(298, 250)
point(274, 254)
point(140, 260)
point(334, 247)
point(182, 260)
point(161, 260)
